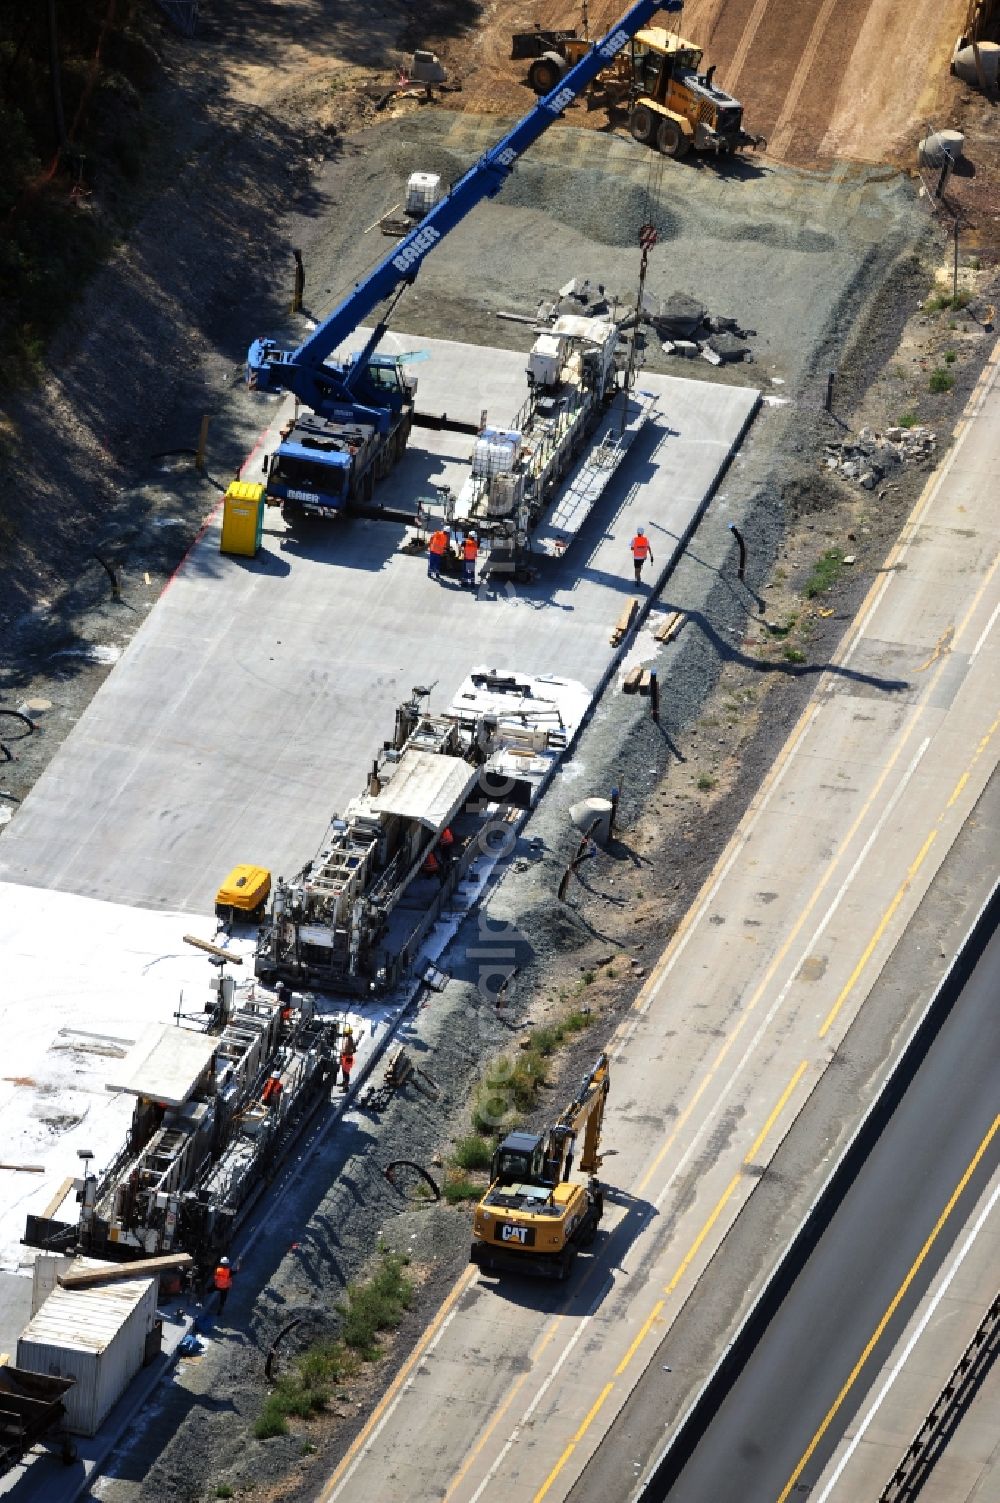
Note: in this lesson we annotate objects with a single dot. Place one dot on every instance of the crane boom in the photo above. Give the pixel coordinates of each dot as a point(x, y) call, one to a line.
point(333, 389)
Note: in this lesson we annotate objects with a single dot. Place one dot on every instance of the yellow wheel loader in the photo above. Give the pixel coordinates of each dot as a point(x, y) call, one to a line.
point(671, 106)
point(534, 1218)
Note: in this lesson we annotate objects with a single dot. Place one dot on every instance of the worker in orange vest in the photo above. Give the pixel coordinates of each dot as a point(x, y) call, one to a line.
point(445, 848)
point(347, 1057)
point(640, 552)
point(470, 552)
point(437, 547)
point(222, 1280)
point(271, 1094)
point(432, 865)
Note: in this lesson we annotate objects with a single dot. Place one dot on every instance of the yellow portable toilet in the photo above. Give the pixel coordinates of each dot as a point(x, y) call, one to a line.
point(242, 518)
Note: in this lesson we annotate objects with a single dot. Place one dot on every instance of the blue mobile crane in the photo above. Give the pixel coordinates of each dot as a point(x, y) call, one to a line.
point(362, 407)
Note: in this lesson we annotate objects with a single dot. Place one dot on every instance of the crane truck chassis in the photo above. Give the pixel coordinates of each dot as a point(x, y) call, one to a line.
point(534, 1219)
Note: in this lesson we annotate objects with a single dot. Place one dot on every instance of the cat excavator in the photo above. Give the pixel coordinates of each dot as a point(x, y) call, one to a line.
point(534, 1218)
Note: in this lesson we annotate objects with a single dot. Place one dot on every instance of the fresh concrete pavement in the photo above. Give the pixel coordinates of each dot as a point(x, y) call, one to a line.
point(250, 703)
point(739, 1020)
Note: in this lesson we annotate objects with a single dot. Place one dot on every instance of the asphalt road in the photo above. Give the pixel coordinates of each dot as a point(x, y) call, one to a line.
point(831, 1334)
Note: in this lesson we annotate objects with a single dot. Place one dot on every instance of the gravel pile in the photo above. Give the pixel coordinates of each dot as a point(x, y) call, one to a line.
point(871, 457)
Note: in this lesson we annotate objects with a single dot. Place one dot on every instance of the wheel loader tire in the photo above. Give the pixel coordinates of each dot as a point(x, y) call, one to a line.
point(642, 124)
point(670, 139)
point(546, 71)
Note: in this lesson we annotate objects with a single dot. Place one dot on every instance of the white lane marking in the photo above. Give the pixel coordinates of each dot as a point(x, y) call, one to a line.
point(986, 631)
point(904, 1356)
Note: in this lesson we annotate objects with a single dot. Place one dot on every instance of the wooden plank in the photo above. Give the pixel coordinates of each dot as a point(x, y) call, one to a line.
point(669, 626)
point(25, 1168)
point(632, 680)
point(57, 1199)
point(87, 1278)
point(624, 622)
point(210, 949)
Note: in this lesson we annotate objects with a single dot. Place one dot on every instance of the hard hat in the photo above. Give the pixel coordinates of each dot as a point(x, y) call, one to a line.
point(275, 1074)
point(472, 532)
point(224, 1262)
point(348, 1028)
point(639, 532)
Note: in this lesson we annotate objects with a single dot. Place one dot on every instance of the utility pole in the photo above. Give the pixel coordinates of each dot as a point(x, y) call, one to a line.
point(647, 239)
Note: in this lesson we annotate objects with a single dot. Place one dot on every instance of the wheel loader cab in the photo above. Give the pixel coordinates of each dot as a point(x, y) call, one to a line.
point(657, 55)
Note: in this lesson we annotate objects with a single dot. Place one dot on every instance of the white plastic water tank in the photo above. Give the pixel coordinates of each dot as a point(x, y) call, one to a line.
point(423, 189)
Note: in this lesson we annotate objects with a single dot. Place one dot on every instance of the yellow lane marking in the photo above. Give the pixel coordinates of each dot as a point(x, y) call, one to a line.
point(883, 924)
point(571, 1447)
point(890, 1311)
point(457, 1290)
point(692, 1251)
point(906, 883)
point(778, 1108)
point(984, 743)
point(644, 1331)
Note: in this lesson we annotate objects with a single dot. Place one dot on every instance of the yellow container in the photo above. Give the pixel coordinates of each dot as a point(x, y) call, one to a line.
point(245, 890)
point(242, 518)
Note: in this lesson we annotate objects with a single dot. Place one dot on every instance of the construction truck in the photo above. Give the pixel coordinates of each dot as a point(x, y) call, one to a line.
point(672, 106)
point(534, 1218)
point(363, 404)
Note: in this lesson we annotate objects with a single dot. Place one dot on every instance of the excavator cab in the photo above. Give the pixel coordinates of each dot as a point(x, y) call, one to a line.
point(519, 1160)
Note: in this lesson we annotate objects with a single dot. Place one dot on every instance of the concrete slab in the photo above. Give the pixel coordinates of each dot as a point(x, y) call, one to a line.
point(249, 704)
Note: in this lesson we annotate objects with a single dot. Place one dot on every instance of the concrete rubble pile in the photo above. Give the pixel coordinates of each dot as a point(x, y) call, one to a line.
point(682, 323)
point(870, 457)
point(688, 329)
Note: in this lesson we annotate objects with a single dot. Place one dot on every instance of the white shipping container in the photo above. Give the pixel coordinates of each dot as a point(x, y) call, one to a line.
point(97, 1336)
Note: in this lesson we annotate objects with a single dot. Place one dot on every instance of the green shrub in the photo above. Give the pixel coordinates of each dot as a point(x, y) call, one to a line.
point(705, 782)
point(950, 357)
point(794, 655)
point(941, 380)
point(826, 572)
point(472, 1152)
point(908, 420)
point(459, 1187)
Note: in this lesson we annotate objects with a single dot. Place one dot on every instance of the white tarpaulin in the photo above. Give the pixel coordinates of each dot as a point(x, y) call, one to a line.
point(426, 786)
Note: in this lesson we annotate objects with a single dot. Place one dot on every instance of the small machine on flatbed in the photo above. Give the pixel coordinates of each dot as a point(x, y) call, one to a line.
point(534, 1218)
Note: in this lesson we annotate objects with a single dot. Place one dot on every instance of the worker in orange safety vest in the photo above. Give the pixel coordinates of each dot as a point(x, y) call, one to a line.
point(222, 1281)
point(470, 552)
point(437, 547)
point(640, 552)
point(347, 1057)
point(271, 1094)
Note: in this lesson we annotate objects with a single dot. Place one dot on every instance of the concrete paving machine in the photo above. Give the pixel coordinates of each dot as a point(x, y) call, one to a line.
point(672, 106)
point(534, 1218)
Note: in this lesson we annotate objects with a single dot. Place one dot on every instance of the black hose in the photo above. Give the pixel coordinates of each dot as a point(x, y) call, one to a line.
point(390, 1173)
point(273, 1349)
point(20, 715)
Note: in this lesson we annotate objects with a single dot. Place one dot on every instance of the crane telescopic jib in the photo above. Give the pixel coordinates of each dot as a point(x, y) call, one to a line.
point(346, 391)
